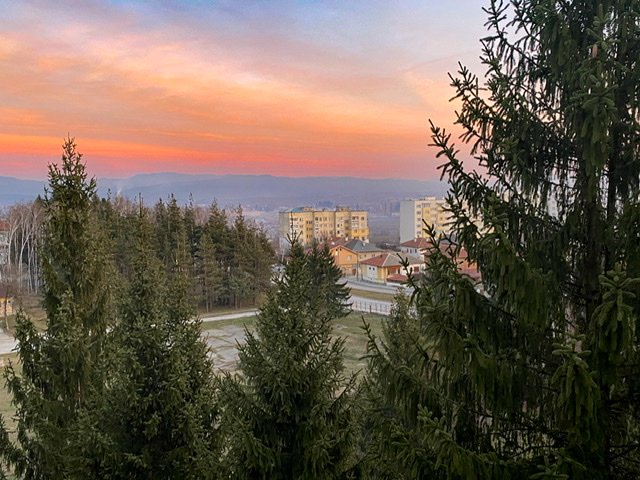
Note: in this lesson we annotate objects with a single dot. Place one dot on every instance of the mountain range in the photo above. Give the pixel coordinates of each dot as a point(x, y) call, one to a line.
point(264, 192)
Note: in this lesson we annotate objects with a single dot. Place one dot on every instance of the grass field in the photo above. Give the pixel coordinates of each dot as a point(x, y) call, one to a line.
point(222, 336)
point(382, 297)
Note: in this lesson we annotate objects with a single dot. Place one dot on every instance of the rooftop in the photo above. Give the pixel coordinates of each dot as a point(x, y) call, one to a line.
point(417, 243)
point(392, 260)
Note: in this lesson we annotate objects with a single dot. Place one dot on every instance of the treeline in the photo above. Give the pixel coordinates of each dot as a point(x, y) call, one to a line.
point(227, 256)
point(121, 385)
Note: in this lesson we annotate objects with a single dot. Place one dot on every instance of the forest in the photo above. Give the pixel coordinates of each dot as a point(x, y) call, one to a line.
point(229, 258)
point(532, 371)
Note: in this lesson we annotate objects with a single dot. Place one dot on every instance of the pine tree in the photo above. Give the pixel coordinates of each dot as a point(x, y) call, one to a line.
point(328, 282)
point(157, 417)
point(290, 411)
point(59, 373)
point(396, 386)
point(536, 370)
point(209, 273)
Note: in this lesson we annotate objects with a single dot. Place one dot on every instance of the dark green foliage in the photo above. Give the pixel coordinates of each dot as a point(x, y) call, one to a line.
point(59, 372)
point(209, 272)
point(228, 261)
point(290, 411)
point(249, 267)
point(396, 386)
point(157, 416)
point(537, 371)
point(328, 283)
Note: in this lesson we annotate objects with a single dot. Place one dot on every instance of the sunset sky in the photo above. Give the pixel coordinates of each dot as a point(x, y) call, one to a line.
point(259, 87)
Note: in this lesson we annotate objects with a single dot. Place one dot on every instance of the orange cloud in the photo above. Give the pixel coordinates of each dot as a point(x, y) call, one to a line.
point(144, 99)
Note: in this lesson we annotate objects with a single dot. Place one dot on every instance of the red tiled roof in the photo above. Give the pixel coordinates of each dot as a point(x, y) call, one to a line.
point(391, 260)
point(397, 277)
point(417, 243)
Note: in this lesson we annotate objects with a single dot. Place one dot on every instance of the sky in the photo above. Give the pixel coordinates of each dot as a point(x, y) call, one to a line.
point(293, 88)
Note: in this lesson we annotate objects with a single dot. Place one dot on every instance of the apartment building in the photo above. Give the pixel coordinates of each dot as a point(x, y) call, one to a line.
point(312, 225)
point(415, 212)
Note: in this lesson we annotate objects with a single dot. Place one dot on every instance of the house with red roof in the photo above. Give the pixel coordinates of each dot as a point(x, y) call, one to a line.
point(417, 246)
point(348, 254)
point(388, 267)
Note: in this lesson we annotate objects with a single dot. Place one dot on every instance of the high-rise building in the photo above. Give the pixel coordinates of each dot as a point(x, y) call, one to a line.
point(309, 224)
point(416, 212)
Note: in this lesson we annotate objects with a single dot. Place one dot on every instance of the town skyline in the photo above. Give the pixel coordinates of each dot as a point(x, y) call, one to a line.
point(277, 88)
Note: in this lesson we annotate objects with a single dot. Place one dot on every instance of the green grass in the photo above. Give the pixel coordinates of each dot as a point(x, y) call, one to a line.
point(223, 335)
point(208, 325)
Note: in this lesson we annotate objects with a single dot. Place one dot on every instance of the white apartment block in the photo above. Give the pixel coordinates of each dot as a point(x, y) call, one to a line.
point(415, 212)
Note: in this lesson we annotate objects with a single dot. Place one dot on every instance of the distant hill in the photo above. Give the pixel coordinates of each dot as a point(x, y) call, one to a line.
point(14, 190)
point(258, 191)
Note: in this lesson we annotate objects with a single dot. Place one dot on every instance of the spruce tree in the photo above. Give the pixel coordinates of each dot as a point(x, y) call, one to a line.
point(209, 272)
point(328, 282)
point(158, 413)
point(59, 373)
point(396, 386)
point(536, 369)
point(290, 410)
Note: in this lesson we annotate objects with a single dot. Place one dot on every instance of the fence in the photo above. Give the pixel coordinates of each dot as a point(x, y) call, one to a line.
point(371, 307)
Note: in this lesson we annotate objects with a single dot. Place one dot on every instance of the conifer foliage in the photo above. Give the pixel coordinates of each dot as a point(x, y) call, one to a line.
point(157, 417)
point(534, 374)
point(290, 410)
point(58, 366)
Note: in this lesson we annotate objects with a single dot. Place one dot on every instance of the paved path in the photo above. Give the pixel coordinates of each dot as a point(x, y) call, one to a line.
point(375, 287)
point(360, 304)
point(228, 316)
point(7, 342)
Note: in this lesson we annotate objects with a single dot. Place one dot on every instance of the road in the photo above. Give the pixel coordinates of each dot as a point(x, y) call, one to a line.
point(375, 287)
point(7, 343)
point(228, 316)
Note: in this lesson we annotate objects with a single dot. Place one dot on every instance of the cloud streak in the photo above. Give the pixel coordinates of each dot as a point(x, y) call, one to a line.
point(341, 88)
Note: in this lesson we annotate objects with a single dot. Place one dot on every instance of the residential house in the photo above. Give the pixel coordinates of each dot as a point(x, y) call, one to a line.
point(416, 246)
point(349, 254)
point(388, 267)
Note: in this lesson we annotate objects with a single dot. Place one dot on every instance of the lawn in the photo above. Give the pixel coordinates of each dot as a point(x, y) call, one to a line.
point(223, 336)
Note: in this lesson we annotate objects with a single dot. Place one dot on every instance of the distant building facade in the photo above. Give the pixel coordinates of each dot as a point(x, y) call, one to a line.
point(309, 225)
point(415, 213)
